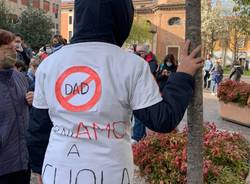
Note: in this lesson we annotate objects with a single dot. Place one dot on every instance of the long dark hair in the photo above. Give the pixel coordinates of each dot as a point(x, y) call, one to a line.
point(60, 39)
point(171, 58)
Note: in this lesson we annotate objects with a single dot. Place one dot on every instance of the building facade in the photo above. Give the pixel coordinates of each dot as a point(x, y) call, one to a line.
point(67, 19)
point(167, 19)
point(51, 7)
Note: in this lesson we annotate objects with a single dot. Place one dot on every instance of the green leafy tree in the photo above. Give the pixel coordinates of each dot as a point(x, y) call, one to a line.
point(5, 18)
point(140, 32)
point(239, 29)
point(212, 27)
point(239, 26)
point(242, 7)
point(35, 26)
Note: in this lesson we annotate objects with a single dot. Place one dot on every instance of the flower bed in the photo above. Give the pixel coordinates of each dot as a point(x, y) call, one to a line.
point(235, 92)
point(235, 102)
point(162, 158)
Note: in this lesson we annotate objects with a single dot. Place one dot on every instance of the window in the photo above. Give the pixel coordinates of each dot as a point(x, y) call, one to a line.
point(174, 21)
point(70, 20)
point(13, 18)
point(25, 2)
point(36, 4)
point(70, 35)
point(242, 42)
point(46, 6)
point(54, 8)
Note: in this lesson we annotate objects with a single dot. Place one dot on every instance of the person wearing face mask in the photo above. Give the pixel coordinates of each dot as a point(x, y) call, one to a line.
point(34, 63)
point(90, 89)
point(168, 67)
point(14, 115)
point(24, 53)
point(143, 51)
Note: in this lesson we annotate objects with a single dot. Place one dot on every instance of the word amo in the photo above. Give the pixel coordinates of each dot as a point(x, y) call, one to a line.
point(80, 176)
point(92, 131)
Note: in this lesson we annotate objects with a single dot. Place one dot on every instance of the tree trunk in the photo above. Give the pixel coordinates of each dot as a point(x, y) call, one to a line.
point(212, 44)
point(224, 56)
point(195, 110)
point(235, 54)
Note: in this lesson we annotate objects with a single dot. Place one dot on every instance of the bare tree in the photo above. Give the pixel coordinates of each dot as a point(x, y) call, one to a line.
point(195, 110)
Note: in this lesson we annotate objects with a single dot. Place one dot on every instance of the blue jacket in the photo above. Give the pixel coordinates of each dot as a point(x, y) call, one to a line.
point(14, 114)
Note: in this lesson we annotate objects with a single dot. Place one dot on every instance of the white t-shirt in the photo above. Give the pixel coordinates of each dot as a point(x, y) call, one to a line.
point(91, 90)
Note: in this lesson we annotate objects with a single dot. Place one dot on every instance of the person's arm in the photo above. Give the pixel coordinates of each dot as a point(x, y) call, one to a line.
point(38, 137)
point(160, 77)
point(153, 67)
point(165, 116)
point(211, 65)
point(25, 57)
point(40, 124)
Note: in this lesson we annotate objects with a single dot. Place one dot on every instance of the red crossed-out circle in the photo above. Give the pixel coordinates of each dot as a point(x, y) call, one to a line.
point(64, 100)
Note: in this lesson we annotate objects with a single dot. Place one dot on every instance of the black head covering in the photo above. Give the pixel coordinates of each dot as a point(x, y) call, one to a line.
point(102, 21)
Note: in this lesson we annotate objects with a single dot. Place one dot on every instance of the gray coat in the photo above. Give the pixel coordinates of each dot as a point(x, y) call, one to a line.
point(14, 115)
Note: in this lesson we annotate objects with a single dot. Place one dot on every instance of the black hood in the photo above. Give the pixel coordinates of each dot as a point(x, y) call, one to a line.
point(107, 21)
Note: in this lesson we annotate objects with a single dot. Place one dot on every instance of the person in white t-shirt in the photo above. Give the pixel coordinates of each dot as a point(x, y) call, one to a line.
point(91, 88)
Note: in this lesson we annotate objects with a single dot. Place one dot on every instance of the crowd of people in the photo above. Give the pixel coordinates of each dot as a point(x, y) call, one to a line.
point(25, 130)
point(18, 65)
point(19, 148)
point(213, 73)
point(66, 116)
point(161, 73)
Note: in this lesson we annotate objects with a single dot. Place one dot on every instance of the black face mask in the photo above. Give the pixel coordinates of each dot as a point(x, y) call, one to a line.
point(107, 21)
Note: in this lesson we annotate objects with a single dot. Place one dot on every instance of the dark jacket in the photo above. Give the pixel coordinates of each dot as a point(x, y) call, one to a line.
point(151, 59)
point(13, 122)
point(25, 56)
point(162, 79)
point(236, 73)
point(38, 137)
point(110, 21)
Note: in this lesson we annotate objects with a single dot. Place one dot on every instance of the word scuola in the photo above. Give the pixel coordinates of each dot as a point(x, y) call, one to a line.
point(114, 130)
point(82, 175)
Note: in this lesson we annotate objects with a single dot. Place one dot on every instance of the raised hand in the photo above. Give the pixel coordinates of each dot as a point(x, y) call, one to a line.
point(190, 64)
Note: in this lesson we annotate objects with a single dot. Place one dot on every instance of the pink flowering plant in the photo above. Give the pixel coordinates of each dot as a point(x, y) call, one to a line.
point(162, 158)
point(236, 92)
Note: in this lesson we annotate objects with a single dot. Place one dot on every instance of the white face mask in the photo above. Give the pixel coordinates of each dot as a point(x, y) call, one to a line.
point(48, 50)
point(169, 64)
point(19, 46)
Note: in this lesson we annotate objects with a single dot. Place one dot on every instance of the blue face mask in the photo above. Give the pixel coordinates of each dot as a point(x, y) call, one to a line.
point(169, 64)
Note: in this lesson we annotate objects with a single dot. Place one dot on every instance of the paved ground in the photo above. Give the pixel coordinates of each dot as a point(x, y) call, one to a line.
point(243, 78)
point(211, 114)
point(211, 107)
